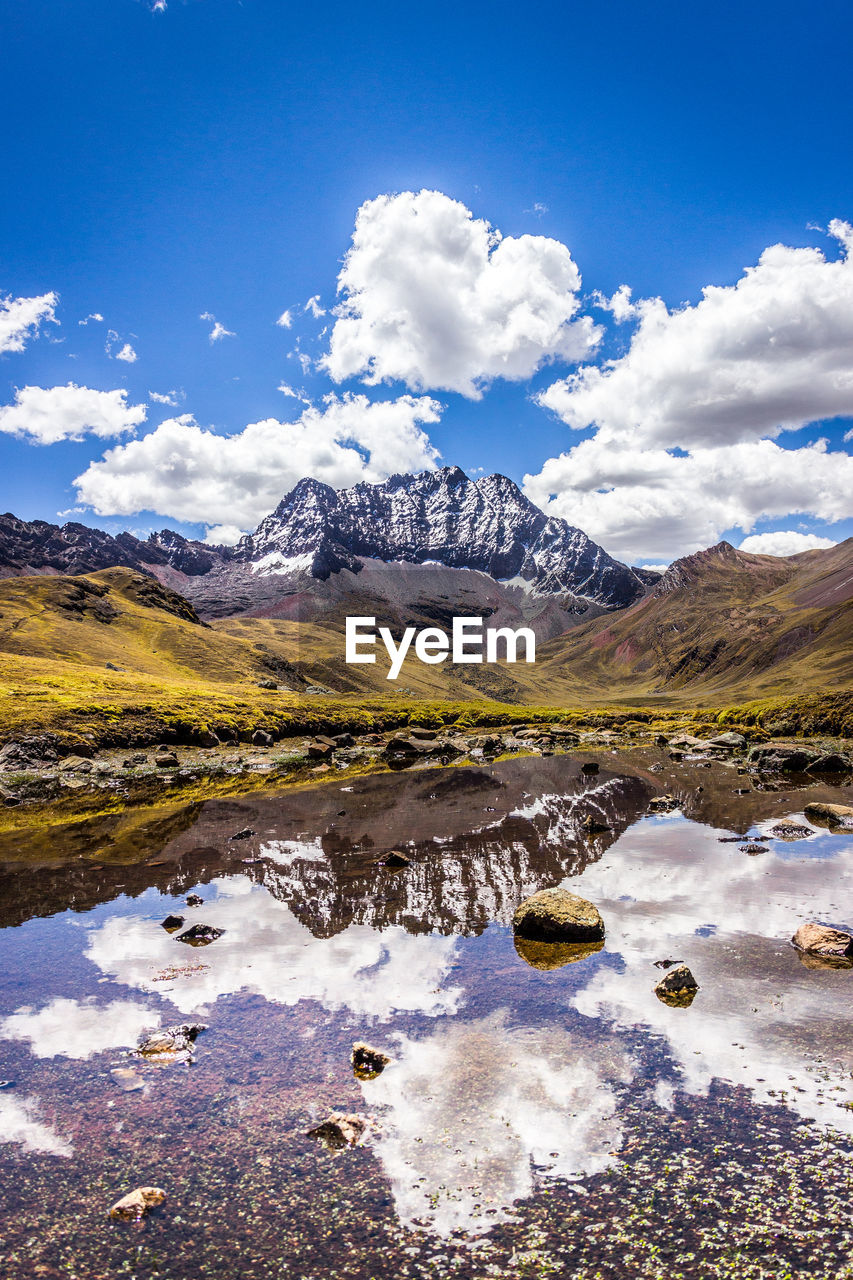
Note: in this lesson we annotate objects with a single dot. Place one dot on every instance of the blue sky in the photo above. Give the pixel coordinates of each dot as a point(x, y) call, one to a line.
point(210, 158)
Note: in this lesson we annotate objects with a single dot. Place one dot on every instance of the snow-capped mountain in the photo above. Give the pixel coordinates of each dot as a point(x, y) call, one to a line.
point(423, 546)
point(437, 517)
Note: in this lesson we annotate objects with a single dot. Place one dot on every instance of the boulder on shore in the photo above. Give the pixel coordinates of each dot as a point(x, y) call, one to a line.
point(820, 940)
point(555, 915)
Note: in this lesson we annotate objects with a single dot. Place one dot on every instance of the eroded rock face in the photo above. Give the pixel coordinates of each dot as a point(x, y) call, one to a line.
point(137, 1203)
point(820, 940)
point(555, 915)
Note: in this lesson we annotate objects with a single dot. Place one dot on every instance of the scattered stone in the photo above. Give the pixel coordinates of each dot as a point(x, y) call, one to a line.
point(555, 915)
point(172, 923)
point(820, 940)
point(127, 1079)
point(194, 900)
point(166, 760)
point(171, 1044)
point(207, 738)
point(589, 766)
point(75, 764)
point(319, 750)
point(731, 741)
point(367, 1062)
point(688, 740)
point(553, 955)
point(200, 935)
point(344, 740)
point(267, 684)
point(790, 831)
point(342, 1130)
point(245, 833)
point(752, 849)
point(132, 761)
point(260, 738)
point(416, 731)
point(833, 815)
point(677, 987)
point(396, 859)
point(133, 1206)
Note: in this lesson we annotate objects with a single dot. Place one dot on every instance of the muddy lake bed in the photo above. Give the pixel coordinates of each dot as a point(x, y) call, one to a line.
point(539, 1116)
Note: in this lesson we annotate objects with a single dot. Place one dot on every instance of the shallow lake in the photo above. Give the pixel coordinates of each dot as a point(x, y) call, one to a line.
point(533, 1120)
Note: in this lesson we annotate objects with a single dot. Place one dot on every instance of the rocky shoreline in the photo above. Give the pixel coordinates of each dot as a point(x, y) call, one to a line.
point(40, 774)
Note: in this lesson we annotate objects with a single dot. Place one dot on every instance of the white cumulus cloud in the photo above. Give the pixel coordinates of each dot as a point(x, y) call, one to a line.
point(436, 298)
point(45, 415)
point(784, 542)
point(685, 421)
point(20, 319)
point(767, 354)
point(189, 473)
point(127, 354)
point(285, 320)
point(651, 504)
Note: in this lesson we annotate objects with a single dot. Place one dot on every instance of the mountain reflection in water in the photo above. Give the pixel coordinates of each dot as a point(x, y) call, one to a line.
point(502, 1076)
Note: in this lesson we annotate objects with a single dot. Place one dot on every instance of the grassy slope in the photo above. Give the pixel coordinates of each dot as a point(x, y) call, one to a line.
point(740, 628)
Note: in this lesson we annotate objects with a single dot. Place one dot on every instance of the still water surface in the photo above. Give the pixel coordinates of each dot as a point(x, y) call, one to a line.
point(533, 1121)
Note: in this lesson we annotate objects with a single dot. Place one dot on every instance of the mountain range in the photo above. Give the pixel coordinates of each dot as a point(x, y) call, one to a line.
point(416, 547)
point(419, 549)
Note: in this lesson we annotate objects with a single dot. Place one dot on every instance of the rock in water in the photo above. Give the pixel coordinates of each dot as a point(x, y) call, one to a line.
point(555, 915)
point(367, 1062)
point(341, 1131)
point(820, 940)
point(677, 987)
point(193, 900)
point(136, 1203)
point(200, 935)
point(172, 923)
point(834, 815)
point(171, 1044)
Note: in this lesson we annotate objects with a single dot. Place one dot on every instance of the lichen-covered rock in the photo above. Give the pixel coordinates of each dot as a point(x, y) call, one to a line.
point(729, 741)
point(367, 1062)
point(136, 1203)
point(820, 940)
point(555, 915)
